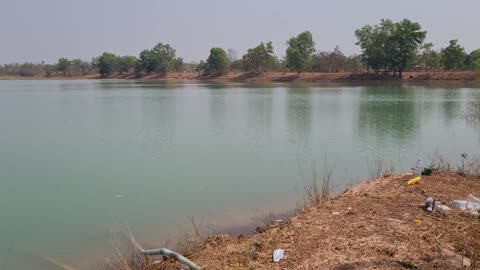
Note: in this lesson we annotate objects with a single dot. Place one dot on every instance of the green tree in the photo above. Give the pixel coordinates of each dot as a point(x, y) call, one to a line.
point(475, 60)
point(161, 59)
point(217, 62)
point(384, 44)
point(107, 64)
point(63, 65)
point(373, 42)
point(259, 59)
point(237, 65)
point(201, 67)
point(453, 56)
point(390, 46)
point(178, 64)
point(126, 63)
point(300, 51)
point(145, 63)
point(405, 39)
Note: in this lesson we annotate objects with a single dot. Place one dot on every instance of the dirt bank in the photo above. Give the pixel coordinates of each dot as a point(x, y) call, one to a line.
point(348, 77)
point(375, 228)
point(461, 76)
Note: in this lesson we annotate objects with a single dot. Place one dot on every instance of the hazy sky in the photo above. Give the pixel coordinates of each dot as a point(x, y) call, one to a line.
point(36, 30)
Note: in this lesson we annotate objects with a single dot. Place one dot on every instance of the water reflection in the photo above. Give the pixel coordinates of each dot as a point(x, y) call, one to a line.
point(159, 122)
point(386, 114)
point(259, 111)
point(217, 110)
point(299, 119)
point(451, 104)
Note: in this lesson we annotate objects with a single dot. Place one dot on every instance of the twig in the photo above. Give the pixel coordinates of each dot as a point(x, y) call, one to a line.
point(195, 227)
point(432, 217)
point(108, 264)
point(59, 264)
point(119, 254)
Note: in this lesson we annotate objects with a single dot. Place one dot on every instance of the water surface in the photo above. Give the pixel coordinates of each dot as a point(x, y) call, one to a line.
point(83, 160)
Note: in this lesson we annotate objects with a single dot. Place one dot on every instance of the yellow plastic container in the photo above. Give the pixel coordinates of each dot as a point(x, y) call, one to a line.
point(414, 181)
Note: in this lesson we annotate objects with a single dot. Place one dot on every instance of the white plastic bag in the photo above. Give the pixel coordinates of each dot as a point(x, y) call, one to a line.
point(278, 255)
point(471, 204)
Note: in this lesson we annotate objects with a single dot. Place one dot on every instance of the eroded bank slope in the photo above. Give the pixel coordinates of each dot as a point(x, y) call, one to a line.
point(376, 228)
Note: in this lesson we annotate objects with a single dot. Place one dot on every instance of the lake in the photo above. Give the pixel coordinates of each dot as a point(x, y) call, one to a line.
point(83, 162)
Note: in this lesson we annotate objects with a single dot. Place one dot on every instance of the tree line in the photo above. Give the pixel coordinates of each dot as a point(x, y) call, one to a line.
point(63, 68)
point(396, 47)
point(386, 48)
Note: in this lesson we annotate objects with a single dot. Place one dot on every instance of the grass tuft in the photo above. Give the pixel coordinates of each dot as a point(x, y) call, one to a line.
point(315, 193)
point(379, 168)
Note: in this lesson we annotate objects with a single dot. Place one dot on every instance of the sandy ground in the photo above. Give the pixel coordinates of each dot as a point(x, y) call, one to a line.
point(462, 76)
point(381, 224)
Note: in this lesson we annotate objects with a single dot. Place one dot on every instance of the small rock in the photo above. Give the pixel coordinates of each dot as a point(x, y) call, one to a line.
point(455, 258)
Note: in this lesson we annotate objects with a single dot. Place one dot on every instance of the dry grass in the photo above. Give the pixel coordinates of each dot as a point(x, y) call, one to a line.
point(468, 165)
point(439, 163)
point(375, 229)
point(314, 193)
point(128, 259)
point(459, 235)
point(379, 168)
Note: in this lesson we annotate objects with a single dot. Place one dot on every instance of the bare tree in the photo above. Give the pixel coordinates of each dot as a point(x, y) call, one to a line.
point(232, 55)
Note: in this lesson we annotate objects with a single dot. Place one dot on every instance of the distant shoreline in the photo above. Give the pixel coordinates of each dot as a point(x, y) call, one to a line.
point(463, 77)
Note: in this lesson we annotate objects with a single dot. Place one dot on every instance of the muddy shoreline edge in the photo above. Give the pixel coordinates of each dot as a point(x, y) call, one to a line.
point(441, 78)
point(377, 224)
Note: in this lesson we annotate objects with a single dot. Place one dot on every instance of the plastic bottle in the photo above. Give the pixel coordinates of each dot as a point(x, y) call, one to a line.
point(418, 167)
point(461, 204)
point(429, 204)
point(414, 181)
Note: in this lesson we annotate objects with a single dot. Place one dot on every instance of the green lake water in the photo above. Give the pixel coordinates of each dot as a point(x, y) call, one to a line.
point(82, 162)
